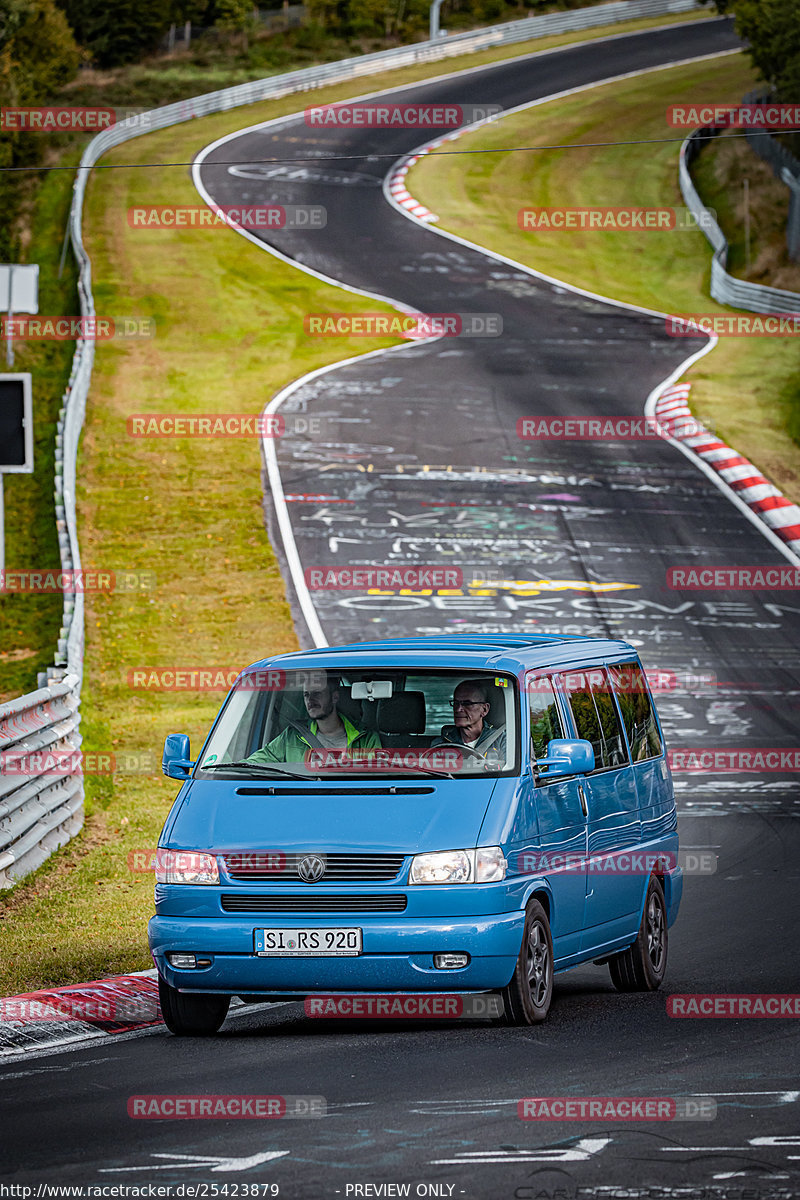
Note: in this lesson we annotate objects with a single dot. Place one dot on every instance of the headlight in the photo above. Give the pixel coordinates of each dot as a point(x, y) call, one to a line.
point(186, 866)
point(448, 866)
point(490, 864)
point(485, 865)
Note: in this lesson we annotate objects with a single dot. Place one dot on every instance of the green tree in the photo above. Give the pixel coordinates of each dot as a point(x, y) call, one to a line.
point(38, 55)
point(233, 15)
point(401, 19)
point(772, 29)
point(236, 16)
point(121, 32)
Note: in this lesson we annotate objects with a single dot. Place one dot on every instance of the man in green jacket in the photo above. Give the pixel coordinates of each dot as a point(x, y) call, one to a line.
point(328, 730)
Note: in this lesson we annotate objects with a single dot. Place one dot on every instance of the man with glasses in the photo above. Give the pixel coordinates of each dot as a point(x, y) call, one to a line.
point(471, 729)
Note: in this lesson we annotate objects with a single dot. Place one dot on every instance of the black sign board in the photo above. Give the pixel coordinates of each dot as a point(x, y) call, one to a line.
point(16, 432)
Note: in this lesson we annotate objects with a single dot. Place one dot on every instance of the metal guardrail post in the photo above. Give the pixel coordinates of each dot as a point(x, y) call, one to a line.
point(793, 220)
point(436, 8)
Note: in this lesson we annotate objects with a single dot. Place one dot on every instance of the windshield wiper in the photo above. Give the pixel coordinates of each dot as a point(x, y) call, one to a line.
point(244, 765)
point(438, 774)
point(254, 766)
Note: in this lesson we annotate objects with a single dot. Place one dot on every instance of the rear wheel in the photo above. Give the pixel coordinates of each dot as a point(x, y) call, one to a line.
point(641, 968)
point(528, 995)
point(191, 1013)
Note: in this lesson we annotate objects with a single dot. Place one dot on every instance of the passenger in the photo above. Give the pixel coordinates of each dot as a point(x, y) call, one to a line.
point(470, 727)
point(328, 729)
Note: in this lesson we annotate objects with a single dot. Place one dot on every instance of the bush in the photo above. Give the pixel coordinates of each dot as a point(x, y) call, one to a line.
point(38, 55)
point(118, 33)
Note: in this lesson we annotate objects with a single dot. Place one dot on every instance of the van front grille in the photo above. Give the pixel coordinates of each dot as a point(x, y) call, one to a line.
point(273, 867)
point(314, 902)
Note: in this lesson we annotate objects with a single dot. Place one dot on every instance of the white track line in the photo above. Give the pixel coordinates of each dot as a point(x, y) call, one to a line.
point(279, 499)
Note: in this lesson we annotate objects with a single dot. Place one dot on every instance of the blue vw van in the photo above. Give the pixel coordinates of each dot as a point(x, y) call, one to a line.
point(448, 814)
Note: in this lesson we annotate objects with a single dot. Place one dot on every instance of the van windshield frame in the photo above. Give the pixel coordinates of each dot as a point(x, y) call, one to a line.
point(270, 730)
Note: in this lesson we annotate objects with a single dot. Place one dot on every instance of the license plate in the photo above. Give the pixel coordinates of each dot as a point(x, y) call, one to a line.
point(308, 943)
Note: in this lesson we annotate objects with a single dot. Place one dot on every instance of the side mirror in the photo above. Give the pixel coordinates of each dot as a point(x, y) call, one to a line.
point(567, 756)
point(175, 761)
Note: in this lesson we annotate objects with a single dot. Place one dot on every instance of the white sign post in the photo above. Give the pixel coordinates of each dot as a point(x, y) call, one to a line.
point(435, 31)
point(19, 292)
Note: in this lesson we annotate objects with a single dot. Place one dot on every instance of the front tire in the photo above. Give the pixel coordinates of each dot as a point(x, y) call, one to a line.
point(527, 997)
point(191, 1014)
point(641, 968)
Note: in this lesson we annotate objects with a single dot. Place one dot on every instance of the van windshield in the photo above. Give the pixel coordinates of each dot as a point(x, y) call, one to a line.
point(339, 723)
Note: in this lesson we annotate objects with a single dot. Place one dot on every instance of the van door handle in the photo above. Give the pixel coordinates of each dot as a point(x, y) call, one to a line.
point(582, 795)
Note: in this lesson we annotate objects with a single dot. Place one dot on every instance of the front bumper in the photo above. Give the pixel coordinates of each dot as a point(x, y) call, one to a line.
point(397, 954)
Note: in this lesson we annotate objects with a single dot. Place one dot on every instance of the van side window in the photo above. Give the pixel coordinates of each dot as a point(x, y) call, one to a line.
point(545, 717)
point(636, 706)
point(589, 696)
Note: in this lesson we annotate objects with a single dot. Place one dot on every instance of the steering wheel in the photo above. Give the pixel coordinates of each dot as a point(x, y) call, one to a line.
point(465, 750)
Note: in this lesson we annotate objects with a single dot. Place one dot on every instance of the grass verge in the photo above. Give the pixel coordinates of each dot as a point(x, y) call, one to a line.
point(748, 389)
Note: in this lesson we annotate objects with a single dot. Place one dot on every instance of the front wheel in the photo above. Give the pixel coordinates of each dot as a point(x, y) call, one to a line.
point(528, 995)
point(641, 968)
point(187, 1013)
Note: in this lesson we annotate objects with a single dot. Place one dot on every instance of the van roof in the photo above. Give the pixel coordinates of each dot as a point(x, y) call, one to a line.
point(470, 650)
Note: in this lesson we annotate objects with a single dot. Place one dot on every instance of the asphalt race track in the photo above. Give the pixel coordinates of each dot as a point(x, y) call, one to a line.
point(419, 463)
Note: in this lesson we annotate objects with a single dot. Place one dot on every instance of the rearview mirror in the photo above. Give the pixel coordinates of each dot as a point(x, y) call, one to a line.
point(175, 761)
point(372, 689)
point(567, 756)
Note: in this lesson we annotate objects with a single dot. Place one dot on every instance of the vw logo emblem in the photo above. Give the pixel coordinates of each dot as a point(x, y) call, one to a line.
point(311, 868)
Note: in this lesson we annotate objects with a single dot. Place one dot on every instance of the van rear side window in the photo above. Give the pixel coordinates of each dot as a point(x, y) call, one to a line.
point(596, 719)
point(637, 711)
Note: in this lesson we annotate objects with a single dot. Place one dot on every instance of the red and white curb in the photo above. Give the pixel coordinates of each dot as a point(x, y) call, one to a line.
point(762, 497)
point(401, 195)
point(82, 1012)
point(57, 1016)
point(396, 182)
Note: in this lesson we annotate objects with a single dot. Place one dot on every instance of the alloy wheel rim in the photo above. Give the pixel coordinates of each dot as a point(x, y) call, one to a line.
point(655, 932)
point(538, 964)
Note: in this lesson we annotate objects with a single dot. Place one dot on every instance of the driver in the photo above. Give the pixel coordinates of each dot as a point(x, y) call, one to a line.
point(327, 729)
point(470, 727)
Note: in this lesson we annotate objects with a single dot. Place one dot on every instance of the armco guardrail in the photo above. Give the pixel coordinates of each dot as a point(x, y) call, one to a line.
point(725, 288)
point(38, 811)
point(21, 852)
